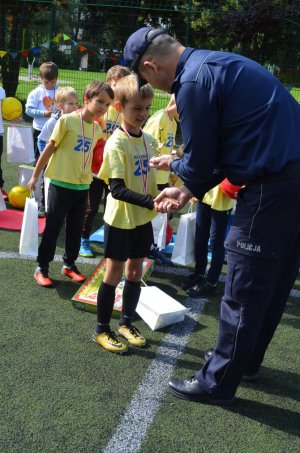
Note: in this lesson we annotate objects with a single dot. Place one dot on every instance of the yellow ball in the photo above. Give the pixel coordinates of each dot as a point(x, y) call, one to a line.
point(17, 196)
point(11, 108)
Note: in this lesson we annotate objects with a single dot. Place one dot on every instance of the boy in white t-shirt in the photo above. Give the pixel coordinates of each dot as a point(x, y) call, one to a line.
point(41, 101)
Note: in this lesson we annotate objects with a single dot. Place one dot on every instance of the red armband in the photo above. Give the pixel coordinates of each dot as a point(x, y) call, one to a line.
point(229, 189)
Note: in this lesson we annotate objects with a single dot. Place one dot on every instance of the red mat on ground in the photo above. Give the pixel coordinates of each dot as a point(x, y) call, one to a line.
point(11, 219)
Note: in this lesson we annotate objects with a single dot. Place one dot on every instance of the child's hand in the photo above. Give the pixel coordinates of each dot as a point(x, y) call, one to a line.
point(32, 184)
point(47, 113)
point(169, 205)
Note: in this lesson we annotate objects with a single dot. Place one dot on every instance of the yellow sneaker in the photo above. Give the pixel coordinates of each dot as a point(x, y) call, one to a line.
point(109, 341)
point(132, 335)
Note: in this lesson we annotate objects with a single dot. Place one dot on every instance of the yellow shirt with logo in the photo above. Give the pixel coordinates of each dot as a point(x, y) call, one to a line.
point(128, 159)
point(218, 200)
point(71, 161)
point(164, 130)
point(110, 121)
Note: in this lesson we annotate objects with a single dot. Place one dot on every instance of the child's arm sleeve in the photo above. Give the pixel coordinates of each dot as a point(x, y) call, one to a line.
point(31, 107)
point(119, 191)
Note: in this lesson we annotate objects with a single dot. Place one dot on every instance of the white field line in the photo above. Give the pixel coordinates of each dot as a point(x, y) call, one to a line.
point(148, 397)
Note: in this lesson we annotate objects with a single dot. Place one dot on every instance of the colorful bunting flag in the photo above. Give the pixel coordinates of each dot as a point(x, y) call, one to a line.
point(2, 53)
point(35, 50)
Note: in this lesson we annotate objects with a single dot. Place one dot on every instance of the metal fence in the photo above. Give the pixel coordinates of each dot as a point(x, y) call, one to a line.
point(85, 38)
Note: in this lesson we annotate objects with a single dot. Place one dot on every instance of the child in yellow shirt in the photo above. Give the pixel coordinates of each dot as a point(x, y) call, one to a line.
point(129, 210)
point(69, 155)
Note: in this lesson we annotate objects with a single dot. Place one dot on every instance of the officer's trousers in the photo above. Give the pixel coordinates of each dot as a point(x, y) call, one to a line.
point(263, 258)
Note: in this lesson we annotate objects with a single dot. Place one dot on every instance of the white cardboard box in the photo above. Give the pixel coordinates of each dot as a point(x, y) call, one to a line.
point(158, 309)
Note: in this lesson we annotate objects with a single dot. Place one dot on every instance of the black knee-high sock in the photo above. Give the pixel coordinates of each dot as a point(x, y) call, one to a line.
point(130, 296)
point(105, 305)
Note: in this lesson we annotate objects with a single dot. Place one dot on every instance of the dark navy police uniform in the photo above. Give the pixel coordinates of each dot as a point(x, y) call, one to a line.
point(239, 122)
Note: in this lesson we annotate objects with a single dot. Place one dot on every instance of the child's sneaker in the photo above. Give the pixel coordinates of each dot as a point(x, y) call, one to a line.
point(85, 250)
point(73, 273)
point(42, 278)
point(109, 341)
point(132, 335)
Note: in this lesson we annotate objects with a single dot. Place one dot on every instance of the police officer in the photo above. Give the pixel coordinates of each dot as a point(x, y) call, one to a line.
point(239, 122)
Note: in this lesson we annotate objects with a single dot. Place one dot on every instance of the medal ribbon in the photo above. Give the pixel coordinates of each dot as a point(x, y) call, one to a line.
point(88, 152)
point(144, 177)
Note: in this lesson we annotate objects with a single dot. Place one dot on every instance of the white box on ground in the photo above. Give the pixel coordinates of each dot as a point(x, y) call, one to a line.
point(158, 309)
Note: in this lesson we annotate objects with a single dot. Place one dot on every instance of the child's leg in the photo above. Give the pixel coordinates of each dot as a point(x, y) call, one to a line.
point(106, 293)
point(74, 222)
point(57, 209)
point(132, 289)
point(94, 199)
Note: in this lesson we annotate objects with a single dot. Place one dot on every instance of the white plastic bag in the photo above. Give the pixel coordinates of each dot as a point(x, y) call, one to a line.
point(20, 144)
point(184, 247)
point(159, 225)
point(29, 232)
point(158, 309)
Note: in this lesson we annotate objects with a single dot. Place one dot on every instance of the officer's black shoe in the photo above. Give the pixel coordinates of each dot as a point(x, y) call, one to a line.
point(202, 289)
point(192, 280)
point(190, 389)
point(247, 376)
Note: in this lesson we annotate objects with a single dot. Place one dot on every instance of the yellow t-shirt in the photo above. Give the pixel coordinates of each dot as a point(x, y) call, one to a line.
point(110, 121)
point(69, 163)
point(218, 200)
point(164, 130)
point(126, 158)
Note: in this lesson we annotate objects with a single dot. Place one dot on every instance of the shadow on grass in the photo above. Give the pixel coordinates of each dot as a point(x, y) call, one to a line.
point(66, 289)
point(277, 382)
point(271, 416)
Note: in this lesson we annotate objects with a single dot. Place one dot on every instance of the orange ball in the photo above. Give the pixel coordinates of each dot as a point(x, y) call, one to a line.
point(17, 196)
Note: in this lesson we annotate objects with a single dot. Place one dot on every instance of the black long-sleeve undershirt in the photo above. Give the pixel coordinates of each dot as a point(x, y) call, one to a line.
point(119, 191)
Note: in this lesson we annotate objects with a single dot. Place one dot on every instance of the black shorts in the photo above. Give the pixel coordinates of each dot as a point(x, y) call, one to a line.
point(120, 244)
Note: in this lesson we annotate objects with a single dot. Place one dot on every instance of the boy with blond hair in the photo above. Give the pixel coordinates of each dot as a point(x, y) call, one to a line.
point(108, 123)
point(66, 100)
point(130, 208)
